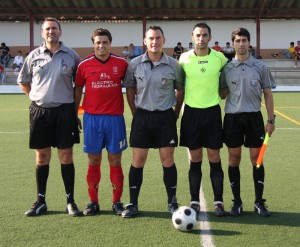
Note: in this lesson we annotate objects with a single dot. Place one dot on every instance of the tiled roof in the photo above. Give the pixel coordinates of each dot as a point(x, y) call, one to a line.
point(113, 10)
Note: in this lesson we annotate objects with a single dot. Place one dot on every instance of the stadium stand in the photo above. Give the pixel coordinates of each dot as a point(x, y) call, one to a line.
point(284, 72)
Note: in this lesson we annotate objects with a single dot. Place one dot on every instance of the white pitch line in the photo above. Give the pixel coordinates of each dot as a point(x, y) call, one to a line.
point(127, 129)
point(14, 132)
point(287, 128)
point(206, 233)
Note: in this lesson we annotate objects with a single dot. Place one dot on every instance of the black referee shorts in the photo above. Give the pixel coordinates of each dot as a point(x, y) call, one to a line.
point(56, 127)
point(244, 129)
point(153, 129)
point(201, 128)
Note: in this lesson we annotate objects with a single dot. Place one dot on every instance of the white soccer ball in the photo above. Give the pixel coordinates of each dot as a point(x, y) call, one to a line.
point(184, 219)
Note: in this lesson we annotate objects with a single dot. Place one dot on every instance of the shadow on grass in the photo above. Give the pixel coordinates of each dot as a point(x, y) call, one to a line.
point(48, 213)
point(249, 217)
point(218, 232)
point(141, 214)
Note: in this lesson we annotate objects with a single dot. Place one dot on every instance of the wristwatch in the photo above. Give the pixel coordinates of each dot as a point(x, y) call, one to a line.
point(272, 121)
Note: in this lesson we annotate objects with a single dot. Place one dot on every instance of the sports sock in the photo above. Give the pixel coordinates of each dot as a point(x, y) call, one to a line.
point(170, 181)
point(93, 177)
point(234, 179)
point(217, 179)
point(42, 173)
point(135, 183)
point(259, 180)
point(117, 181)
point(195, 176)
point(68, 175)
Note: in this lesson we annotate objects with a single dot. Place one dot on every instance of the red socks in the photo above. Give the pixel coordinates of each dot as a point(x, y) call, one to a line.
point(117, 181)
point(93, 178)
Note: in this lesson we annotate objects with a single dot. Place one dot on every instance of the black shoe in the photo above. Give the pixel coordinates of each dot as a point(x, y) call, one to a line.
point(261, 208)
point(130, 211)
point(173, 205)
point(36, 209)
point(196, 206)
point(118, 208)
point(274, 55)
point(72, 209)
point(236, 208)
point(91, 209)
point(219, 209)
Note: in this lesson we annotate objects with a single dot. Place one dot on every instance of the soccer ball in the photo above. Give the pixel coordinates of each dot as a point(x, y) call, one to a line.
point(184, 219)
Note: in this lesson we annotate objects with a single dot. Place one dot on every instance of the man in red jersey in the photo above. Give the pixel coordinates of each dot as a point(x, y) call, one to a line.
point(104, 126)
point(297, 53)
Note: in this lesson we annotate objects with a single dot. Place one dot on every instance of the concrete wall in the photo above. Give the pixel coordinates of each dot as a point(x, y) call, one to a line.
point(275, 34)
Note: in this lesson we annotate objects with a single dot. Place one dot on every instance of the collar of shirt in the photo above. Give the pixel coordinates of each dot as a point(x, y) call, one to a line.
point(249, 61)
point(43, 47)
point(164, 59)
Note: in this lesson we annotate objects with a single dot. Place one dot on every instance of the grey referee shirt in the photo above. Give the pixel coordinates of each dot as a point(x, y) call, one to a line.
point(245, 82)
point(51, 75)
point(155, 82)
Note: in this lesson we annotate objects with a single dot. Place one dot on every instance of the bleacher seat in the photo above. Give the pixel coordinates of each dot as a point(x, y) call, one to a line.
point(284, 72)
point(10, 77)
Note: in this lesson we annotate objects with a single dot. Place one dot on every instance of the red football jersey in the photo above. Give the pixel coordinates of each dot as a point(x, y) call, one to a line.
point(102, 81)
point(297, 51)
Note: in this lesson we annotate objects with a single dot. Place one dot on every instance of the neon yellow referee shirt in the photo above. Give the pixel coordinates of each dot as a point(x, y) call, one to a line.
point(202, 78)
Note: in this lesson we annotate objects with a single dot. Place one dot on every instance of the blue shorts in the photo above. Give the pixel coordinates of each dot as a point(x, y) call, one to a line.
point(104, 131)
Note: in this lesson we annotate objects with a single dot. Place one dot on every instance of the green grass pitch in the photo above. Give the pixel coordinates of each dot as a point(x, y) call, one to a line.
point(153, 227)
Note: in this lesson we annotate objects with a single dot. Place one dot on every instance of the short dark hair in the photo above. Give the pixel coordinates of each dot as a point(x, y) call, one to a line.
point(240, 32)
point(155, 28)
point(51, 19)
point(101, 32)
point(202, 25)
point(292, 43)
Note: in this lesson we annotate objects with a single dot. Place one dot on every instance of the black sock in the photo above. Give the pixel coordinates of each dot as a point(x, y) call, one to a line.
point(234, 179)
point(42, 172)
point(170, 181)
point(259, 180)
point(135, 183)
point(217, 179)
point(195, 176)
point(68, 175)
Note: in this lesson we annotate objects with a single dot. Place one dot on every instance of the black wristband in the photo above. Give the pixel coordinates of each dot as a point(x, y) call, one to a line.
point(272, 121)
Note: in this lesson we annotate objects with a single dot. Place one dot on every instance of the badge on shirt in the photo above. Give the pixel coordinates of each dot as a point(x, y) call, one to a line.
point(115, 70)
point(202, 70)
point(253, 82)
point(64, 66)
point(164, 81)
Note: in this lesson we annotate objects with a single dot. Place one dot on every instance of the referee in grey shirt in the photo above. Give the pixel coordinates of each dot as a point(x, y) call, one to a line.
point(244, 80)
point(154, 85)
point(47, 78)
